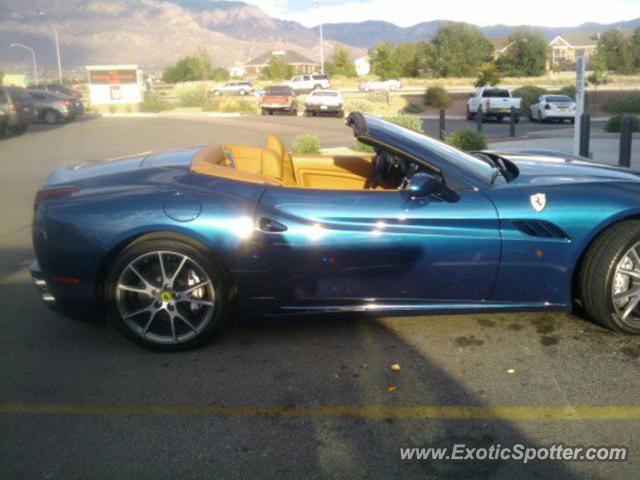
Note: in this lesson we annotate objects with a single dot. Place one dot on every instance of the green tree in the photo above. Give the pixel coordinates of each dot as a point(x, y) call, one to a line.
point(635, 48)
point(487, 75)
point(408, 58)
point(383, 62)
point(527, 54)
point(340, 63)
point(459, 50)
point(193, 68)
point(598, 76)
point(615, 50)
point(278, 69)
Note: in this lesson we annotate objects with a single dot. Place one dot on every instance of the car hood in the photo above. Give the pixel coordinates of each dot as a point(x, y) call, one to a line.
point(543, 170)
point(97, 168)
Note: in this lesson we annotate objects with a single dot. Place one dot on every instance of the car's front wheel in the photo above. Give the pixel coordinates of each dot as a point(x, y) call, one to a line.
point(610, 278)
point(166, 294)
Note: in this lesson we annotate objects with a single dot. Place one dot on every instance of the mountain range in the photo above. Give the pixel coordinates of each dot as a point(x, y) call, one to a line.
point(155, 33)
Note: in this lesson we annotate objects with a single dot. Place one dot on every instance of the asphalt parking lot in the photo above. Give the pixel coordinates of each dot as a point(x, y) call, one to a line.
point(289, 398)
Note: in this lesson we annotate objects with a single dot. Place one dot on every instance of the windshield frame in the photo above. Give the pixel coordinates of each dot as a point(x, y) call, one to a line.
point(426, 150)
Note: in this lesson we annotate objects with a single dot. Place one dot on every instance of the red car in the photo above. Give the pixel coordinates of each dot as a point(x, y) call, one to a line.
point(279, 98)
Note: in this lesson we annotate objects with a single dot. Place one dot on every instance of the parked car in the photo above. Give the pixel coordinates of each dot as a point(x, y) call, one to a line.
point(17, 107)
point(279, 98)
point(234, 88)
point(57, 88)
point(324, 101)
point(54, 108)
point(308, 83)
point(493, 102)
point(169, 246)
point(553, 107)
point(386, 85)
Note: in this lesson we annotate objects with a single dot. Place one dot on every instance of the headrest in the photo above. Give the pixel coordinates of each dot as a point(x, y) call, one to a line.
point(209, 155)
point(271, 164)
point(276, 144)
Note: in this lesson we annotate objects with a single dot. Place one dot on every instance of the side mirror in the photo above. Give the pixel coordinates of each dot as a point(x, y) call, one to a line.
point(424, 185)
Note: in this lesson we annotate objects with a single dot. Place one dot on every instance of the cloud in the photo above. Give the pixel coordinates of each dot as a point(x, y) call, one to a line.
point(485, 12)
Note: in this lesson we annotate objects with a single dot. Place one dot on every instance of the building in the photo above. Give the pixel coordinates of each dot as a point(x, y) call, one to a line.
point(566, 48)
point(14, 79)
point(363, 66)
point(301, 64)
point(115, 84)
point(500, 46)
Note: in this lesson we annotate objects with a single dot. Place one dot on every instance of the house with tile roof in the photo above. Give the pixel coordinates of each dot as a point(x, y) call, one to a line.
point(301, 64)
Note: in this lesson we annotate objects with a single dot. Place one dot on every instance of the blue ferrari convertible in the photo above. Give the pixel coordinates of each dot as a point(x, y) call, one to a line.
point(169, 246)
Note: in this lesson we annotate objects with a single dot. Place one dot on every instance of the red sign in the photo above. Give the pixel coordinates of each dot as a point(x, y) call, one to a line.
point(110, 77)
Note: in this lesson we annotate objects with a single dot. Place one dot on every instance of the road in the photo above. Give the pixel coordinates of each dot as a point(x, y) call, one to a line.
point(304, 398)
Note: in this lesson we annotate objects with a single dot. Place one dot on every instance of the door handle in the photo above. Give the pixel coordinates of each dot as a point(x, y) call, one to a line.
point(272, 226)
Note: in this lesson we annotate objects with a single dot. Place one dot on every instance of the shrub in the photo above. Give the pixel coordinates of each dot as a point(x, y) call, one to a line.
point(614, 124)
point(437, 97)
point(406, 121)
point(195, 97)
point(568, 90)
point(378, 96)
point(627, 102)
point(529, 95)
point(467, 139)
point(306, 143)
point(153, 103)
point(113, 109)
point(413, 108)
point(236, 105)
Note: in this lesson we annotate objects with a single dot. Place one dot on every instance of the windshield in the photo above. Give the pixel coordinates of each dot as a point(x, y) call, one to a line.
point(430, 150)
point(558, 99)
point(496, 93)
point(278, 91)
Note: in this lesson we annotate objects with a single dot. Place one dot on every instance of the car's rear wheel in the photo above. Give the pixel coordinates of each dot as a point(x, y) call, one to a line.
point(166, 294)
point(610, 278)
point(51, 117)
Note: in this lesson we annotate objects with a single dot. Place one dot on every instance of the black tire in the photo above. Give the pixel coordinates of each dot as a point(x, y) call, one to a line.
point(294, 112)
point(499, 118)
point(470, 115)
point(168, 242)
point(598, 271)
point(317, 87)
point(51, 117)
point(3, 129)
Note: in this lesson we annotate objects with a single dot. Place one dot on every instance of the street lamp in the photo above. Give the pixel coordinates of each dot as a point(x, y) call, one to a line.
point(33, 56)
point(57, 43)
point(317, 4)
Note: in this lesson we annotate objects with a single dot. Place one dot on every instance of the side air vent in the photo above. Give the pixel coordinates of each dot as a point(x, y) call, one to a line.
point(539, 228)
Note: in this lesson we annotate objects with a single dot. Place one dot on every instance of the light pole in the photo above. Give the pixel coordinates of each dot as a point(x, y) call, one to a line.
point(317, 4)
point(33, 56)
point(57, 43)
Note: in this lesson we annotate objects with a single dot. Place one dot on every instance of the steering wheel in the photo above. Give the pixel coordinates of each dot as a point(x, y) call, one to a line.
point(381, 166)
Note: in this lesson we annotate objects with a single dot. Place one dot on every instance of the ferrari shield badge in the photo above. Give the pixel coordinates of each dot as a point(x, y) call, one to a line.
point(538, 201)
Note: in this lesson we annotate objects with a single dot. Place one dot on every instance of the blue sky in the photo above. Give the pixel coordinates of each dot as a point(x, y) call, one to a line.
point(480, 12)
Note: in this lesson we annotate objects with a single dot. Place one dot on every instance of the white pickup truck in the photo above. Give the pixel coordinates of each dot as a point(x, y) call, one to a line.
point(493, 102)
point(308, 83)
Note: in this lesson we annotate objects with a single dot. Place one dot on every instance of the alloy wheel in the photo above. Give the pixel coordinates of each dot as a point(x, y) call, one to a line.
point(165, 297)
point(626, 287)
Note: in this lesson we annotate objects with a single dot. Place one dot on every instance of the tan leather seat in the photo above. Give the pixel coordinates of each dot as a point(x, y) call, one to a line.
point(213, 161)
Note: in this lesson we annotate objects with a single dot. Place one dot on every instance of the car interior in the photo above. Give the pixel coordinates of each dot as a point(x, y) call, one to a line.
point(274, 166)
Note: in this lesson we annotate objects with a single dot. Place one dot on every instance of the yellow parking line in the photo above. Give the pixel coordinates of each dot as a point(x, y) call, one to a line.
point(372, 412)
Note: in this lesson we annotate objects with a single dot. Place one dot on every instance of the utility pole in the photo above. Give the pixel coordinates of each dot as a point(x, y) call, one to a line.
point(317, 4)
point(55, 32)
point(33, 57)
point(581, 65)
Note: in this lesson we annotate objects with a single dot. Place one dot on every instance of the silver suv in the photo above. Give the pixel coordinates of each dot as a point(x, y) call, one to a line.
point(16, 109)
point(55, 108)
